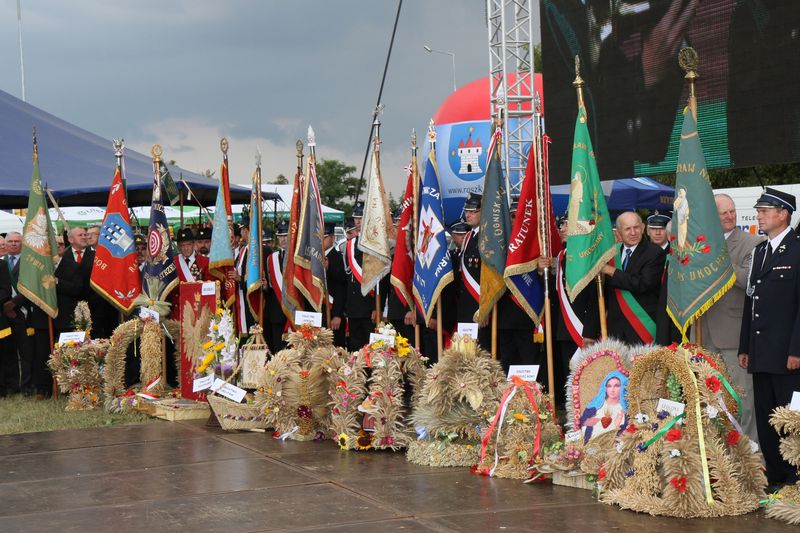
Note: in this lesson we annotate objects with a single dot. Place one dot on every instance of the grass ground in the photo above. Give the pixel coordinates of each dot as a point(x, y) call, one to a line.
point(23, 414)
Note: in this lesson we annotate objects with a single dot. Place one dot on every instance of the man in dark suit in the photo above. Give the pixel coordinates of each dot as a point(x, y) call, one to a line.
point(17, 311)
point(769, 344)
point(515, 328)
point(9, 369)
point(469, 290)
point(68, 291)
point(274, 317)
point(336, 280)
point(632, 314)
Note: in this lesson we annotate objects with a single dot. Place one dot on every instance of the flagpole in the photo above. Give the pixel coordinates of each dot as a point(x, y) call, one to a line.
point(439, 335)
point(118, 145)
point(260, 237)
point(203, 210)
point(312, 160)
point(414, 226)
point(543, 193)
point(377, 144)
point(601, 302)
point(156, 152)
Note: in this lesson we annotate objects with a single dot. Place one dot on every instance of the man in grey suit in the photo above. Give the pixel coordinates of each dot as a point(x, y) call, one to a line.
point(722, 322)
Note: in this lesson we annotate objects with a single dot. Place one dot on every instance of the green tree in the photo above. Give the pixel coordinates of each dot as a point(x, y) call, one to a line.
point(280, 179)
point(338, 184)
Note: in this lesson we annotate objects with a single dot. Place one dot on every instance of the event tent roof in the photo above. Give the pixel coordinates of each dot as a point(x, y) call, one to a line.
point(623, 195)
point(78, 165)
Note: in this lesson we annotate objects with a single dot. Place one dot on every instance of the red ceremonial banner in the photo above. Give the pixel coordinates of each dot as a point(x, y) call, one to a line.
point(195, 307)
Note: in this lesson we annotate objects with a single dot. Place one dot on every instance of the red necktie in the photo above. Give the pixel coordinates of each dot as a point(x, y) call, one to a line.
point(80, 256)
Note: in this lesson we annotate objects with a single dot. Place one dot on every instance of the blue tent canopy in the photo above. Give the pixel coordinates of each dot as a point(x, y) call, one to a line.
point(623, 195)
point(77, 165)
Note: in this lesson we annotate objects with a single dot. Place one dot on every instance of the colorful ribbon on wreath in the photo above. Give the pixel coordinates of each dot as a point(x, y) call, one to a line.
point(700, 436)
point(663, 431)
point(516, 384)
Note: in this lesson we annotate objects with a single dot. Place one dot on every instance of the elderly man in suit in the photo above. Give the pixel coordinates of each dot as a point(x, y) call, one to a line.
point(769, 344)
point(721, 324)
point(632, 285)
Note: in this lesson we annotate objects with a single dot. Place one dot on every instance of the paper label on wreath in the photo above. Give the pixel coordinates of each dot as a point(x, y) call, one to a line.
point(209, 288)
point(525, 372)
point(573, 436)
point(387, 339)
point(795, 403)
point(253, 360)
point(231, 392)
point(308, 317)
point(201, 384)
point(146, 312)
point(673, 408)
point(468, 328)
point(77, 336)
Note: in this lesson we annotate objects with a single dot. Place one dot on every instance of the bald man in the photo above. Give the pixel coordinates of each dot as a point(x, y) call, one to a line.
point(632, 285)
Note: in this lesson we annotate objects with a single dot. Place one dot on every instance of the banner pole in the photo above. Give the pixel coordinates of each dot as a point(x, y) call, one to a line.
point(415, 228)
point(439, 340)
point(52, 343)
point(494, 332)
point(698, 331)
point(601, 304)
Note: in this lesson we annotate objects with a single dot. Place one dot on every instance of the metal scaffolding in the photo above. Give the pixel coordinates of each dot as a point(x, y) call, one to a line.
point(510, 24)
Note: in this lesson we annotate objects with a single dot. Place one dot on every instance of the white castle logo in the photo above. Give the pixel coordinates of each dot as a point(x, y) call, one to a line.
point(470, 154)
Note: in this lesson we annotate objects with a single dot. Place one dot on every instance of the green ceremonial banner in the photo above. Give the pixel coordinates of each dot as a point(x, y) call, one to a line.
point(591, 240)
point(699, 270)
point(37, 281)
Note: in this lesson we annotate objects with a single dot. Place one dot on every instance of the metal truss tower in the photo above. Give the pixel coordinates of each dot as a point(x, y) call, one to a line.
point(510, 24)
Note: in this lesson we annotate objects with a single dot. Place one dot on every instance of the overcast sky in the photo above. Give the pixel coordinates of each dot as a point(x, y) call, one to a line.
point(185, 73)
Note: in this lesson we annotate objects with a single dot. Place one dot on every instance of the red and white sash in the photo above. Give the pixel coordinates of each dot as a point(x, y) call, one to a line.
point(571, 320)
point(352, 263)
point(186, 273)
point(473, 287)
point(276, 275)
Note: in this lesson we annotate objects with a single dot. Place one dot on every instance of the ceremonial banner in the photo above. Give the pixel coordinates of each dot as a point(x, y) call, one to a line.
point(591, 239)
point(196, 308)
point(309, 253)
point(169, 184)
point(433, 269)
point(495, 228)
point(220, 256)
point(403, 263)
point(291, 298)
point(115, 274)
point(699, 268)
point(525, 244)
point(255, 261)
point(377, 231)
point(37, 281)
point(160, 273)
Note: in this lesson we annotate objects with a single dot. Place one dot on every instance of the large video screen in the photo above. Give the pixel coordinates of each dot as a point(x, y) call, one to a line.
point(748, 91)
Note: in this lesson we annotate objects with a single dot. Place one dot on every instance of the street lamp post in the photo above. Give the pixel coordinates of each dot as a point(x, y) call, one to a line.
point(452, 57)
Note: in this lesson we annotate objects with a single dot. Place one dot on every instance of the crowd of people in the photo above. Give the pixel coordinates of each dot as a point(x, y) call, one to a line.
point(755, 326)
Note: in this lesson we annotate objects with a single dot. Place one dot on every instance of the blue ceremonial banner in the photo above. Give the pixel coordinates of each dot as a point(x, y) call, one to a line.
point(433, 269)
point(160, 273)
point(255, 267)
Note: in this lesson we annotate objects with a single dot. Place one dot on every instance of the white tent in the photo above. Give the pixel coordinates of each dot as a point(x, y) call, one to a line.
point(10, 222)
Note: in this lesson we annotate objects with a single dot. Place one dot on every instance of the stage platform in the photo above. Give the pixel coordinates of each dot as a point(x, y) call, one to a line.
point(183, 476)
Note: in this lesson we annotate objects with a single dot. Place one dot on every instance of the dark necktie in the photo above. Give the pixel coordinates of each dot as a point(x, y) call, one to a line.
point(767, 255)
point(13, 261)
point(626, 259)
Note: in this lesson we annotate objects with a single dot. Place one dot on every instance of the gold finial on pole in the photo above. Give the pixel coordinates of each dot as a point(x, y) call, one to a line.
point(35, 143)
point(578, 83)
point(156, 151)
point(299, 146)
point(414, 139)
point(688, 61)
point(223, 145)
